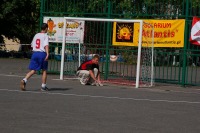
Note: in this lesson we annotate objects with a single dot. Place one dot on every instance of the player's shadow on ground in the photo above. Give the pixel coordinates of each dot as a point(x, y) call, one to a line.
point(59, 89)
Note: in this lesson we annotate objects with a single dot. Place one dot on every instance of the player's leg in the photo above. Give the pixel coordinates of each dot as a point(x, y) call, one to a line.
point(96, 74)
point(44, 80)
point(32, 66)
point(36, 63)
point(83, 76)
point(23, 81)
point(44, 75)
point(91, 80)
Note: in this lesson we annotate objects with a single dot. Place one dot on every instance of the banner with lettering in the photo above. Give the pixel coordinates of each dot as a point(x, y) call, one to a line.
point(195, 31)
point(160, 33)
point(74, 32)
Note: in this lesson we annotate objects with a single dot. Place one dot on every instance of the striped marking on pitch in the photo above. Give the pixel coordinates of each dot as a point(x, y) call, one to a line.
point(103, 97)
point(106, 97)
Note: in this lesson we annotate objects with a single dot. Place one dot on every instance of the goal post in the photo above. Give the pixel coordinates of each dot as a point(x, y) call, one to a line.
point(139, 40)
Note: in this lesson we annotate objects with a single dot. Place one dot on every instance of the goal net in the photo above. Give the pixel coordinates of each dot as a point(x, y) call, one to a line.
point(124, 47)
point(147, 58)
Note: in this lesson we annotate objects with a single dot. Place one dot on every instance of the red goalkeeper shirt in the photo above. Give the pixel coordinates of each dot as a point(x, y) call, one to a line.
point(88, 65)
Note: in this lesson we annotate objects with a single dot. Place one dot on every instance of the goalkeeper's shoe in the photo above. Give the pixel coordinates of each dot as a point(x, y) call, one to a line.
point(22, 85)
point(100, 84)
point(96, 84)
point(83, 83)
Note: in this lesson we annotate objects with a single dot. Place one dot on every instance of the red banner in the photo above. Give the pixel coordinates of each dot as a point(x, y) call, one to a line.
point(195, 31)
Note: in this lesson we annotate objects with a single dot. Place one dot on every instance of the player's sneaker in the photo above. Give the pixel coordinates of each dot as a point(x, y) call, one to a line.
point(82, 82)
point(100, 84)
point(22, 85)
point(96, 84)
point(44, 89)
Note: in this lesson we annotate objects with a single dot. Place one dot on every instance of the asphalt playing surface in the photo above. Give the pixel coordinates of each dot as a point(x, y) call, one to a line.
point(70, 107)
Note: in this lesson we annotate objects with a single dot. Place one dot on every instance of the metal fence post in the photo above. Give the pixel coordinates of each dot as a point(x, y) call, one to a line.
point(185, 44)
point(41, 11)
point(107, 43)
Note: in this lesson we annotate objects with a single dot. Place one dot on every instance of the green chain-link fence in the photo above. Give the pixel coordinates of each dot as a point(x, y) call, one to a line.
point(172, 65)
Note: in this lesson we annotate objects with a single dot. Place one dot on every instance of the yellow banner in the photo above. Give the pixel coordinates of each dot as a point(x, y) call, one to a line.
point(160, 33)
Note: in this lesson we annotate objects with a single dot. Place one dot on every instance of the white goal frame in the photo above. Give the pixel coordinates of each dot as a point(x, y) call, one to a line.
point(106, 20)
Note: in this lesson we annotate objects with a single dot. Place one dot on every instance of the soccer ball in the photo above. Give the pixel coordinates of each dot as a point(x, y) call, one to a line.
point(113, 58)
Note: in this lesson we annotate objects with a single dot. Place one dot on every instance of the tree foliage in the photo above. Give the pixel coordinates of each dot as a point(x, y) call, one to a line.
point(19, 19)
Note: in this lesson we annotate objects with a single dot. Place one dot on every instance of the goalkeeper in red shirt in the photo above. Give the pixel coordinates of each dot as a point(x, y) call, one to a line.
point(89, 73)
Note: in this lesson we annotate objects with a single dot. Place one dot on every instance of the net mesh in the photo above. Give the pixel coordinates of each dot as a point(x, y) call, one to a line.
point(147, 57)
point(72, 59)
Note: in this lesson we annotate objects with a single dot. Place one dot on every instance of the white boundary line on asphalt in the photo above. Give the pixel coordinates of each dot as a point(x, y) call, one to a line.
point(18, 76)
point(66, 79)
point(104, 97)
point(10, 75)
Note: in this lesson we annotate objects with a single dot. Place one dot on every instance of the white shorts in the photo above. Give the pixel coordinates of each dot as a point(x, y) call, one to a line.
point(84, 76)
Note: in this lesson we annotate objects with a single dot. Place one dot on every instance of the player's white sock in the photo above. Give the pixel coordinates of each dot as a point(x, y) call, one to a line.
point(43, 85)
point(25, 80)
